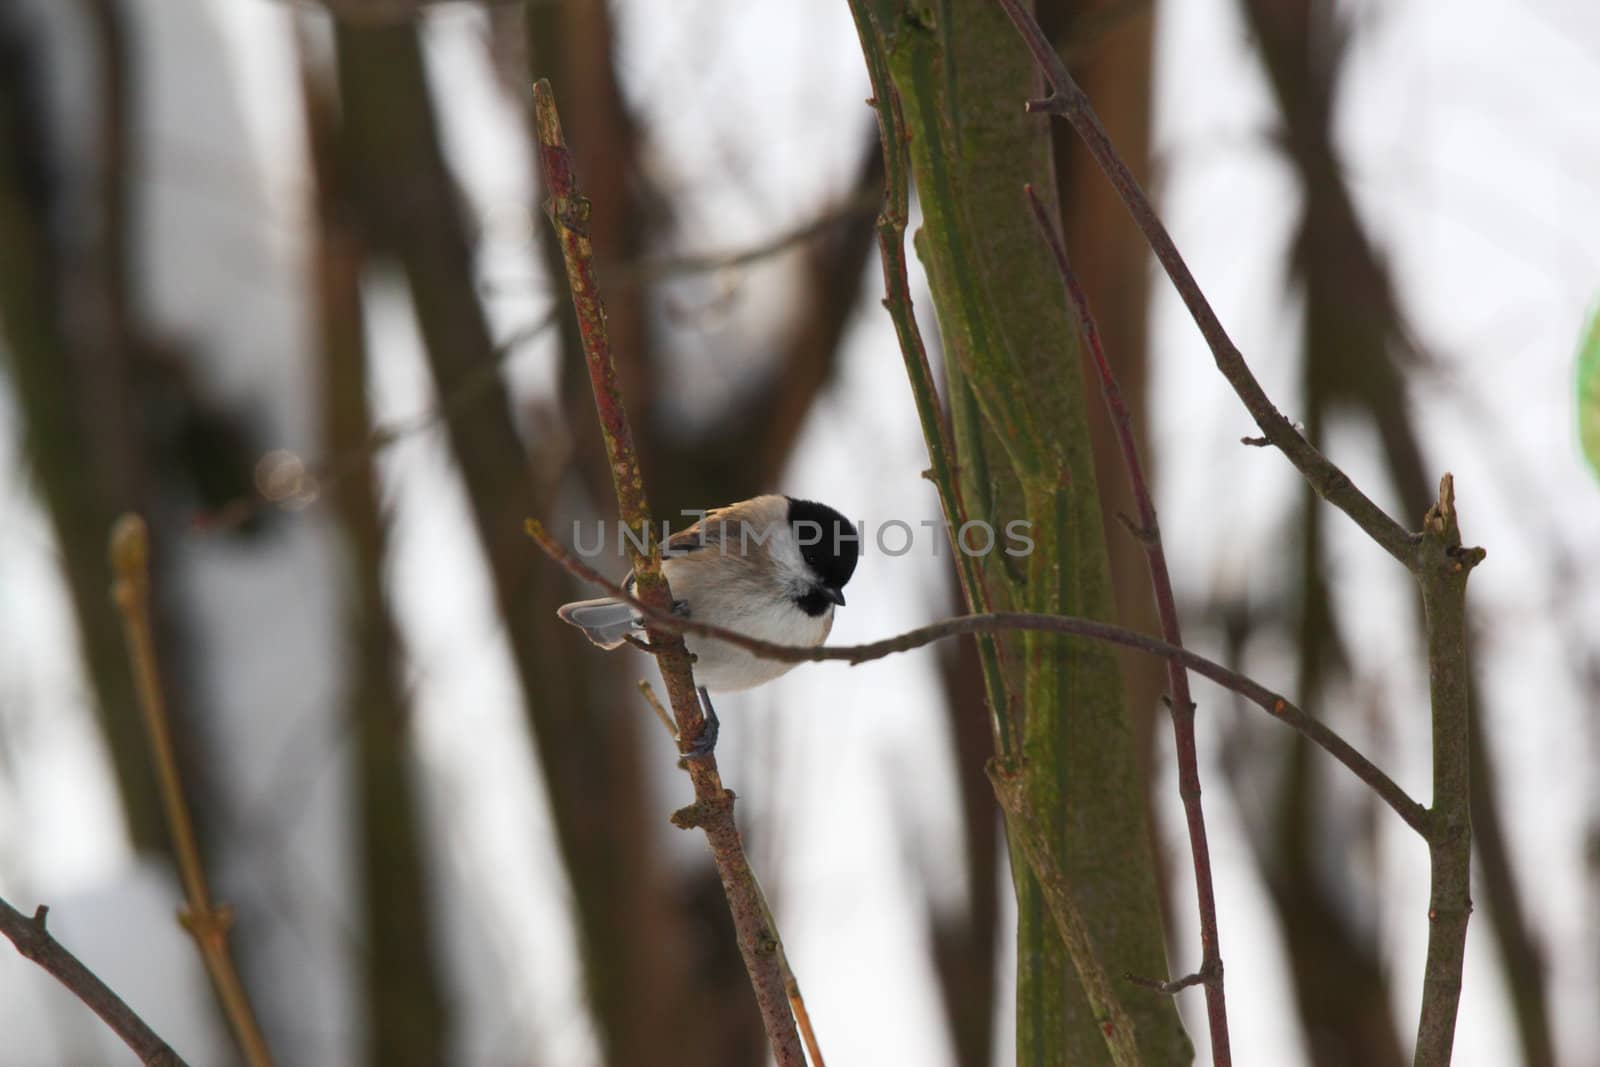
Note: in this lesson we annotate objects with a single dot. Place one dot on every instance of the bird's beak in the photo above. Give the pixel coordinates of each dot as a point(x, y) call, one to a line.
point(835, 595)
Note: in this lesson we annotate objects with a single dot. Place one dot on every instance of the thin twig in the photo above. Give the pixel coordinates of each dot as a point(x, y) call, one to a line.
point(791, 987)
point(1177, 985)
point(387, 12)
point(659, 268)
point(802, 1017)
point(648, 692)
point(936, 432)
point(322, 474)
point(34, 942)
point(206, 921)
point(1180, 702)
point(1279, 707)
point(1071, 103)
point(319, 475)
point(627, 273)
point(713, 807)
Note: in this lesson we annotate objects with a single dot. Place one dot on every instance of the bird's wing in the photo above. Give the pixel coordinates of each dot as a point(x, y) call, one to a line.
point(706, 533)
point(689, 541)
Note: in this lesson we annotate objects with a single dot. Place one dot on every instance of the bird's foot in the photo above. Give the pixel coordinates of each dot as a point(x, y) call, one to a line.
point(706, 743)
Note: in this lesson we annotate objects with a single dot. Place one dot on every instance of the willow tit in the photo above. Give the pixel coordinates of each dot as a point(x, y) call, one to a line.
point(771, 567)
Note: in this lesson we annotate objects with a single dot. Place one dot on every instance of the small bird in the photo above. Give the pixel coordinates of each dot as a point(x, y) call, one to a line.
point(771, 567)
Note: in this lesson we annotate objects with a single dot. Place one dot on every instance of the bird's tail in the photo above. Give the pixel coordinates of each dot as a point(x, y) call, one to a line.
point(605, 621)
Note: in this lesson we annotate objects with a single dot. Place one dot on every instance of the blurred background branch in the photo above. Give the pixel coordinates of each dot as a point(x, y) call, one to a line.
point(207, 921)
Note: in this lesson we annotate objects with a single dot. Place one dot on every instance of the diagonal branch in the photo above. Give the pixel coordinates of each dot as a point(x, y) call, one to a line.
point(791, 984)
point(1120, 1035)
point(1180, 703)
point(1435, 557)
point(1329, 482)
point(34, 942)
point(1279, 707)
point(713, 807)
point(1363, 346)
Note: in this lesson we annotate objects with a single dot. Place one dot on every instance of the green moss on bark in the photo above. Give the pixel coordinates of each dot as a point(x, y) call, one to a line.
point(1022, 437)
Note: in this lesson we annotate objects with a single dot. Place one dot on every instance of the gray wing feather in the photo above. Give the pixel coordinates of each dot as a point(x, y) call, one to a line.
point(605, 621)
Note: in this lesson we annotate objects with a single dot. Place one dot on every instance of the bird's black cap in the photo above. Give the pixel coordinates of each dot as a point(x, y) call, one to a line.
point(828, 541)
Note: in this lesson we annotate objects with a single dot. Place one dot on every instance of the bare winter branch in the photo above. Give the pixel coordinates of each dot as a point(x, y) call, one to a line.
point(34, 942)
point(1279, 707)
point(713, 807)
point(1435, 557)
point(206, 920)
point(1330, 483)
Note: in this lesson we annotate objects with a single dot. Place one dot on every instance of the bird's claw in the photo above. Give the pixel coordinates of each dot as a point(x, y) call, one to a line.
point(706, 743)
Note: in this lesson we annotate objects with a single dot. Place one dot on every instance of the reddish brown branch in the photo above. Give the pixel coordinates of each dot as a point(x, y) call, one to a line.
point(34, 942)
point(1180, 703)
point(1332, 484)
point(712, 810)
point(1435, 557)
point(1279, 707)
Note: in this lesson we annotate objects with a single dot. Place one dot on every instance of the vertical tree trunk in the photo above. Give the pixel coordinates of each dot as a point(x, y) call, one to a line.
point(1109, 49)
point(1023, 441)
point(586, 728)
point(82, 379)
point(963, 943)
point(407, 1021)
